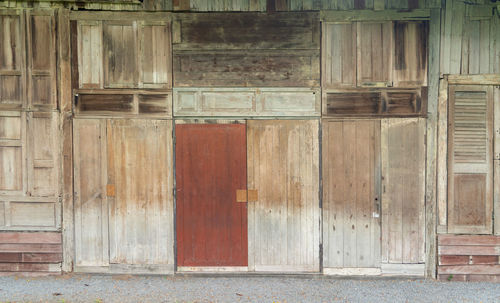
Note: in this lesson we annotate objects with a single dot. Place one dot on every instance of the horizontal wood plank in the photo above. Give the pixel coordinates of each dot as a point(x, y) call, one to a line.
point(25, 267)
point(470, 269)
point(468, 240)
point(33, 238)
point(466, 250)
point(453, 260)
point(39, 248)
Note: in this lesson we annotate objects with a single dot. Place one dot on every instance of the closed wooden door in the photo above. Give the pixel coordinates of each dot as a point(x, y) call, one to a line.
point(283, 167)
point(351, 198)
point(210, 168)
point(123, 196)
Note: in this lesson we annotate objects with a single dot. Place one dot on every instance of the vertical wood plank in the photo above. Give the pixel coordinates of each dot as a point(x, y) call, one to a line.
point(496, 162)
point(339, 55)
point(442, 157)
point(431, 147)
point(90, 58)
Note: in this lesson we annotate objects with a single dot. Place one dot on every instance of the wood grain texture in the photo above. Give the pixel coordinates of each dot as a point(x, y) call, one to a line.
point(470, 169)
point(374, 55)
point(140, 155)
point(403, 195)
point(351, 194)
point(90, 201)
point(12, 60)
point(41, 53)
point(283, 166)
point(339, 55)
point(247, 49)
point(246, 102)
point(210, 169)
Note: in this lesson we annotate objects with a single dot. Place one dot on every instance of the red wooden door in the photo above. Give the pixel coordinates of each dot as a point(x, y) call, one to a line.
point(210, 166)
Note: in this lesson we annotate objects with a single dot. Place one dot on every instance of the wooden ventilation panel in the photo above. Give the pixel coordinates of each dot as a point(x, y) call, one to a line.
point(376, 103)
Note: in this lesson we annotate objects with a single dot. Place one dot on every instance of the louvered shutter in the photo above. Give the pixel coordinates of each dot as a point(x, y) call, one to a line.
point(470, 169)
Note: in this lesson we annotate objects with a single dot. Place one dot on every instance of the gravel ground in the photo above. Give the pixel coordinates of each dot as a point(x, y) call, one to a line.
point(97, 288)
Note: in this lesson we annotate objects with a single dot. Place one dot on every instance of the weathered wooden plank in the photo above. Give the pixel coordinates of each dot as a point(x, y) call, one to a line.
point(496, 195)
point(13, 179)
point(370, 15)
point(468, 240)
point(469, 250)
point(442, 157)
point(28, 267)
point(28, 248)
point(246, 102)
point(431, 145)
point(453, 260)
point(485, 79)
point(470, 269)
point(484, 260)
point(19, 237)
point(284, 222)
point(403, 269)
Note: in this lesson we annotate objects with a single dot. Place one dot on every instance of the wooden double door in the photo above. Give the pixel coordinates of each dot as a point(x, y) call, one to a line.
point(247, 195)
point(373, 196)
point(123, 198)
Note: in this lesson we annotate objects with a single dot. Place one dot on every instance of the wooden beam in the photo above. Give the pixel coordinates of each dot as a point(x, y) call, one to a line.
point(442, 145)
point(65, 102)
point(114, 15)
point(431, 173)
point(483, 79)
point(370, 15)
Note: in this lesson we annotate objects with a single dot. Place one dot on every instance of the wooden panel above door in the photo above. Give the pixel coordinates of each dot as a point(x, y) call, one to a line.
point(247, 49)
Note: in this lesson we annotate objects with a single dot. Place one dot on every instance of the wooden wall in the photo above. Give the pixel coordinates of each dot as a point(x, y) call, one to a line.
point(469, 258)
point(32, 253)
point(247, 49)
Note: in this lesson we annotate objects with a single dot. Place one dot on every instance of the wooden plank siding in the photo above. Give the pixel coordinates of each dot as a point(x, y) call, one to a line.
point(469, 258)
point(247, 49)
point(30, 254)
point(283, 167)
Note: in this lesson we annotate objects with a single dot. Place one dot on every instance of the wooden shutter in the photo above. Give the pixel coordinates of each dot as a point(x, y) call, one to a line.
point(41, 59)
point(43, 154)
point(12, 153)
point(120, 54)
point(339, 55)
point(156, 49)
point(470, 155)
point(410, 53)
point(12, 67)
point(90, 54)
point(374, 54)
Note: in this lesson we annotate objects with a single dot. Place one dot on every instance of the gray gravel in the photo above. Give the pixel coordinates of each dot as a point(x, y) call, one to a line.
point(97, 288)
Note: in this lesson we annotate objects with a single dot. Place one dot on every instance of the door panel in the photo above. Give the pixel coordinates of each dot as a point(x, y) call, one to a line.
point(403, 208)
point(283, 167)
point(351, 170)
point(210, 168)
point(139, 191)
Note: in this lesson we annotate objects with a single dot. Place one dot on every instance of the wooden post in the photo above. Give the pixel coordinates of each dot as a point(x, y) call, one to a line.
point(64, 85)
point(431, 176)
